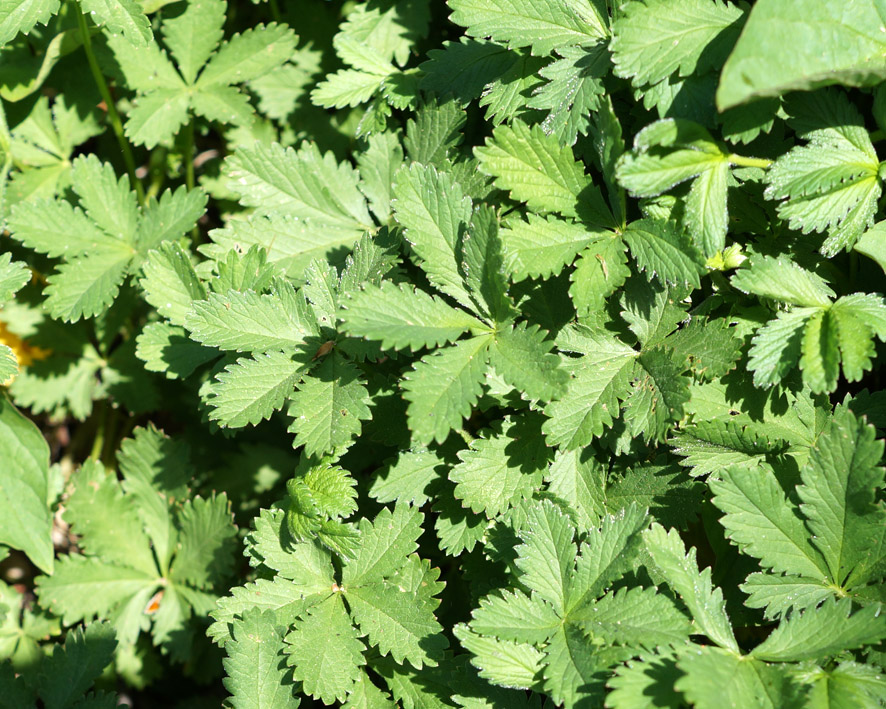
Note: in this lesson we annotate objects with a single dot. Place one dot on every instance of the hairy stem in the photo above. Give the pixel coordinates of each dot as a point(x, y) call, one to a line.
point(113, 115)
point(742, 161)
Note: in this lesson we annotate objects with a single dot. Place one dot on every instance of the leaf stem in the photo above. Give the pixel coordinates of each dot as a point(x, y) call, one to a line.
point(101, 417)
point(742, 161)
point(877, 135)
point(275, 11)
point(189, 155)
point(113, 115)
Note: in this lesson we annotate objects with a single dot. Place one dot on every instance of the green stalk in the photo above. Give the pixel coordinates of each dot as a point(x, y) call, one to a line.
point(189, 155)
point(275, 11)
point(742, 161)
point(113, 115)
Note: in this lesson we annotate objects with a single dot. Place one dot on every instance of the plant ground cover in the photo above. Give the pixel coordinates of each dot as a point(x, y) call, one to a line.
point(493, 354)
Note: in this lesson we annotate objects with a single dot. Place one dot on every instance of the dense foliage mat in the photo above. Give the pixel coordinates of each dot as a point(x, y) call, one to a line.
point(494, 354)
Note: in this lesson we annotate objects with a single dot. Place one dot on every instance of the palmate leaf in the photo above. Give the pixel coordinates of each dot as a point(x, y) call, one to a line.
point(205, 553)
point(124, 17)
point(170, 282)
point(540, 24)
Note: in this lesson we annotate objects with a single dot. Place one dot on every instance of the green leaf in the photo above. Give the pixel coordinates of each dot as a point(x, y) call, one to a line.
point(482, 263)
point(385, 544)
point(852, 33)
point(599, 272)
point(591, 402)
point(775, 349)
point(443, 388)
point(251, 390)
point(325, 652)
point(13, 276)
point(170, 217)
point(761, 520)
point(838, 498)
point(664, 253)
point(406, 480)
point(680, 570)
point(156, 470)
point(82, 588)
point(547, 555)
point(638, 618)
point(658, 394)
point(71, 669)
point(654, 39)
point(573, 90)
point(541, 247)
point(831, 184)
point(256, 674)
point(85, 287)
point(107, 200)
point(170, 283)
point(397, 622)
point(543, 26)
point(714, 677)
point(328, 406)
point(193, 35)
point(23, 15)
point(106, 521)
point(124, 17)
point(607, 554)
point(205, 554)
point(822, 632)
point(167, 348)
point(247, 322)
point(871, 244)
point(403, 317)
point(512, 351)
point(534, 168)
point(502, 662)
point(499, 470)
point(26, 522)
point(710, 347)
point(302, 184)
point(710, 447)
point(247, 56)
point(515, 616)
point(434, 213)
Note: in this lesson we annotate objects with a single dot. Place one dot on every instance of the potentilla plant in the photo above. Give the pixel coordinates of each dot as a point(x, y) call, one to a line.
point(414, 354)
